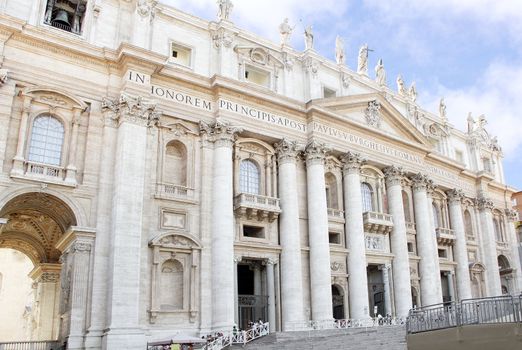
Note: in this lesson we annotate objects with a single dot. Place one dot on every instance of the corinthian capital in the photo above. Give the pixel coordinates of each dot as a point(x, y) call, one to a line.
point(352, 162)
point(484, 203)
point(136, 110)
point(220, 132)
point(394, 175)
point(287, 151)
point(315, 153)
point(421, 182)
point(455, 195)
point(511, 214)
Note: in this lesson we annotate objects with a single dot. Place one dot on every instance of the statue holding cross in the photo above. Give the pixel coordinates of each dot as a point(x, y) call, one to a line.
point(362, 62)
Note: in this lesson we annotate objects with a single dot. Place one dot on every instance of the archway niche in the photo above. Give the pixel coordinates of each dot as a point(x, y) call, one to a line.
point(43, 227)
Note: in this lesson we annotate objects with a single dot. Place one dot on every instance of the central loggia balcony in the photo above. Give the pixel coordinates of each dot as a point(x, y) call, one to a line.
point(377, 222)
point(445, 236)
point(251, 206)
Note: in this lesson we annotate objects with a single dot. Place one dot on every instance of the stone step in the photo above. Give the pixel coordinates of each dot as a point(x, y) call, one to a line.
point(392, 338)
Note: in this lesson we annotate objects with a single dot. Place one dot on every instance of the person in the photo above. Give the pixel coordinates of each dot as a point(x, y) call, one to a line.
point(309, 38)
point(286, 31)
point(224, 9)
point(339, 50)
point(362, 62)
point(380, 73)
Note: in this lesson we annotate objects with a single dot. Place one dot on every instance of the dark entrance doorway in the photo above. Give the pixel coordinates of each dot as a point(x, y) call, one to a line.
point(252, 300)
point(337, 303)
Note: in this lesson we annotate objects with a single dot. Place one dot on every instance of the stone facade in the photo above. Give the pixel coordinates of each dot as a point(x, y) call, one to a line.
point(169, 175)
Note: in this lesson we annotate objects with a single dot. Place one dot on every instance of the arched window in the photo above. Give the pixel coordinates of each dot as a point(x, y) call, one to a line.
point(436, 219)
point(367, 197)
point(468, 226)
point(46, 140)
point(331, 191)
point(171, 285)
point(406, 206)
point(175, 167)
point(249, 177)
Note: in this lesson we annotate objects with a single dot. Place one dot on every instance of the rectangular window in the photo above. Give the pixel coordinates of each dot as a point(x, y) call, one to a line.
point(459, 156)
point(443, 253)
point(329, 93)
point(66, 15)
point(410, 247)
point(253, 231)
point(180, 54)
point(257, 76)
point(334, 237)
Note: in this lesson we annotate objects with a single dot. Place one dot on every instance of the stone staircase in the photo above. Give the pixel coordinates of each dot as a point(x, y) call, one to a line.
point(388, 337)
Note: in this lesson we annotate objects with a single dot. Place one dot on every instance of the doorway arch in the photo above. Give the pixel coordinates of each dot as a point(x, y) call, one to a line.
point(338, 302)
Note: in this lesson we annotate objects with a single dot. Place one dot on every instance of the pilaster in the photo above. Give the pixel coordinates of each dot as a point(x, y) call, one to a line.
point(511, 216)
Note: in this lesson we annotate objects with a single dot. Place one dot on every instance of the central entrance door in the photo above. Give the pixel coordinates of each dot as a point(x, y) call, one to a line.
point(251, 288)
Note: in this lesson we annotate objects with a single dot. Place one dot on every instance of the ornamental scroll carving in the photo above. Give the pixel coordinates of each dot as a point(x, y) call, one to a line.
point(136, 110)
point(372, 114)
point(484, 203)
point(352, 162)
point(511, 214)
point(455, 195)
point(222, 133)
point(421, 182)
point(287, 151)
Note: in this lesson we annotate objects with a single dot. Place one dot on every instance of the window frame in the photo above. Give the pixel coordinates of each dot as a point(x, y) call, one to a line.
point(65, 138)
point(248, 176)
point(365, 198)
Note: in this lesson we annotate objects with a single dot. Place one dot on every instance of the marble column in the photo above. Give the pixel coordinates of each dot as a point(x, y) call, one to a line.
point(387, 290)
point(320, 276)
point(399, 242)
point(77, 251)
point(70, 170)
point(451, 288)
point(428, 266)
point(511, 216)
point(460, 250)
point(236, 306)
point(489, 244)
point(270, 285)
point(292, 311)
point(132, 116)
point(430, 190)
point(354, 228)
point(47, 278)
point(18, 159)
point(223, 136)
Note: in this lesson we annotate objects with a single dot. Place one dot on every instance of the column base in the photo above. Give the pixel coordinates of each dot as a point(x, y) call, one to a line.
point(93, 339)
point(124, 338)
point(75, 342)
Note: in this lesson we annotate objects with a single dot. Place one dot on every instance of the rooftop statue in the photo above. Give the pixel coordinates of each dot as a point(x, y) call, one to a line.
point(442, 110)
point(286, 31)
point(413, 92)
point(400, 86)
point(380, 73)
point(362, 62)
point(224, 9)
point(309, 38)
point(471, 123)
point(339, 50)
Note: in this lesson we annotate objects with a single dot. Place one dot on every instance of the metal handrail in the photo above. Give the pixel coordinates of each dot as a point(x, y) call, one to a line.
point(490, 310)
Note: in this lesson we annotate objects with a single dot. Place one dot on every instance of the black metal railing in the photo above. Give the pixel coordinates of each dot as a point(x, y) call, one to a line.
point(502, 309)
point(29, 345)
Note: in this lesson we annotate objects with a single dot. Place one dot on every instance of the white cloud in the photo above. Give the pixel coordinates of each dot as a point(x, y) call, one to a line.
point(496, 94)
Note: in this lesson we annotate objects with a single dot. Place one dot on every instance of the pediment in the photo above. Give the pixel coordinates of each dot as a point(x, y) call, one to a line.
point(374, 112)
point(176, 241)
point(55, 97)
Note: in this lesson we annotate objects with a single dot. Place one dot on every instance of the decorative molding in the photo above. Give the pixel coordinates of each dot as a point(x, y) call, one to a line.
point(222, 133)
point(222, 38)
point(315, 153)
point(4, 76)
point(394, 175)
point(455, 195)
point(136, 110)
point(311, 66)
point(421, 182)
point(287, 151)
point(484, 203)
point(352, 162)
point(511, 214)
point(372, 114)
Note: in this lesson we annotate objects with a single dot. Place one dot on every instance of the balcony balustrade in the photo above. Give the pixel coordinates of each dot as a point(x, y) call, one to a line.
point(168, 191)
point(336, 215)
point(410, 228)
point(377, 222)
point(256, 206)
point(445, 236)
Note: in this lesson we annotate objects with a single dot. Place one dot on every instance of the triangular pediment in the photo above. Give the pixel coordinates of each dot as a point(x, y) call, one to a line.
point(373, 111)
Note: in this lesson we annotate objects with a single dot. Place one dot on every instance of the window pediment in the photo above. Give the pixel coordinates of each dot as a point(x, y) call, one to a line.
point(175, 241)
point(54, 97)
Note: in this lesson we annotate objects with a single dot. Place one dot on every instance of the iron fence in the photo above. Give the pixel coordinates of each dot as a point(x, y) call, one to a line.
point(502, 309)
point(29, 345)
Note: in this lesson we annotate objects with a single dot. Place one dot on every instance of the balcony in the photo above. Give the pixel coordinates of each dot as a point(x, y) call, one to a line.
point(445, 236)
point(410, 228)
point(252, 206)
point(336, 215)
point(377, 222)
point(174, 192)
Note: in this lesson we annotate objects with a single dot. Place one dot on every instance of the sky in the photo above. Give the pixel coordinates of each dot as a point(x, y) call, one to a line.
point(467, 51)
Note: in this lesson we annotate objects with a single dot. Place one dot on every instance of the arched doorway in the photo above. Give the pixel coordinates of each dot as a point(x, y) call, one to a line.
point(34, 224)
point(337, 302)
point(476, 271)
point(506, 274)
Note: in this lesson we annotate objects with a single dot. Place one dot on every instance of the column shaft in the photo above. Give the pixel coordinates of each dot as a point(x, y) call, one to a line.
point(354, 228)
point(485, 205)
point(399, 242)
point(270, 285)
point(320, 275)
point(460, 250)
point(291, 270)
point(387, 289)
point(513, 241)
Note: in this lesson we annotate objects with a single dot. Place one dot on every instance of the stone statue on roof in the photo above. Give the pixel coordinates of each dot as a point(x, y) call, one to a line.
point(380, 74)
point(309, 38)
point(362, 61)
point(339, 50)
point(400, 86)
point(224, 9)
point(442, 110)
point(413, 92)
point(286, 31)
